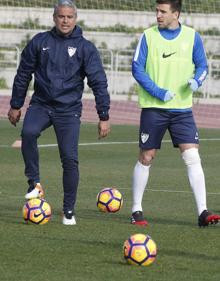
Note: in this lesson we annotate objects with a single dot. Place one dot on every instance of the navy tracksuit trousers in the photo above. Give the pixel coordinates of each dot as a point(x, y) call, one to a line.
point(66, 126)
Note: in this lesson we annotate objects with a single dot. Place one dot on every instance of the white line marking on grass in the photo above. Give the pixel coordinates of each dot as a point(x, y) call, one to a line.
point(47, 145)
point(116, 142)
point(152, 190)
point(171, 191)
point(103, 143)
point(93, 143)
point(179, 191)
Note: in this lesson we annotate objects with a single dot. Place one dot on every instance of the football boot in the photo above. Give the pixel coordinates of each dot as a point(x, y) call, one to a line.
point(138, 219)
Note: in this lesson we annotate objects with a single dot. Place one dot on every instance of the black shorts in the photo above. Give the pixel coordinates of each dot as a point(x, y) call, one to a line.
point(154, 123)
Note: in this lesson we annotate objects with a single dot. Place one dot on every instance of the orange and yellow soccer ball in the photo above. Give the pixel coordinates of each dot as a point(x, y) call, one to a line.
point(109, 200)
point(37, 211)
point(140, 249)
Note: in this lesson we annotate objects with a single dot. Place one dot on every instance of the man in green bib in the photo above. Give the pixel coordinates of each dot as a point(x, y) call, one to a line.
point(169, 64)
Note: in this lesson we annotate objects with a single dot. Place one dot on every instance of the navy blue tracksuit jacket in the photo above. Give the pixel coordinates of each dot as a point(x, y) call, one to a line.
point(60, 65)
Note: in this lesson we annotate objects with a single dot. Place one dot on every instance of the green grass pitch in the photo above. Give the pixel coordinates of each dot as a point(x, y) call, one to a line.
point(92, 250)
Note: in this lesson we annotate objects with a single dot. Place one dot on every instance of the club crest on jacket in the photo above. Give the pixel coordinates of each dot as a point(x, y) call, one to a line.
point(71, 51)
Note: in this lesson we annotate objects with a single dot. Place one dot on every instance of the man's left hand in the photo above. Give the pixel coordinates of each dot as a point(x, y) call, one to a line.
point(103, 128)
point(193, 84)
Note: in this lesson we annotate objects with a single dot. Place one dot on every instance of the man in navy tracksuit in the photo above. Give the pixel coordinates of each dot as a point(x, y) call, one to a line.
point(60, 59)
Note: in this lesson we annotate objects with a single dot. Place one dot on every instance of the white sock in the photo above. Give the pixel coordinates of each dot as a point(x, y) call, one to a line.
point(196, 177)
point(140, 179)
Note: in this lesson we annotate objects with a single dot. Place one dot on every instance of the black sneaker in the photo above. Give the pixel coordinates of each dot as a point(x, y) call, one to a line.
point(207, 218)
point(138, 219)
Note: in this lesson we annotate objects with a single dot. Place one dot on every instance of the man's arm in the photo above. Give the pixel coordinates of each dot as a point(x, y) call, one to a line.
point(200, 62)
point(142, 77)
point(24, 75)
point(21, 82)
point(97, 81)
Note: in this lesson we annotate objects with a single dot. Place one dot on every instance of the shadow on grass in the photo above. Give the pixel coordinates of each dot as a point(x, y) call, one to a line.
point(124, 218)
point(13, 215)
point(188, 255)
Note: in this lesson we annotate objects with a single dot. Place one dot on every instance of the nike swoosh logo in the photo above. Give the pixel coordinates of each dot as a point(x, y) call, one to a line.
point(168, 55)
point(37, 215)
point(47, 48)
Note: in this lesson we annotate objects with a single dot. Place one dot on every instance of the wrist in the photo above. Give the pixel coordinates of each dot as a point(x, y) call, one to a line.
point(103, 116)
point(15, 108)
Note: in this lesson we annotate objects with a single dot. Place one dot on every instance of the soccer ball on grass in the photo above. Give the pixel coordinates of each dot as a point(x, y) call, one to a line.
point(37, 211)
point(109, 200)
point(140, 249)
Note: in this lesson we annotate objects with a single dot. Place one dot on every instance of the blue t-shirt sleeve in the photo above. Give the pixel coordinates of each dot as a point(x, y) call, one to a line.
point(199, 60)
point(139, 70)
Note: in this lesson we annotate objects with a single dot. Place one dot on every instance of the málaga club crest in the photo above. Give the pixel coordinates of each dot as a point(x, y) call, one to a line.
point(71, 51)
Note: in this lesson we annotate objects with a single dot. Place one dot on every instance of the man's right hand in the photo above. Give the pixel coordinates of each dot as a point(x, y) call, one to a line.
point(163, 94)
point(103, 128)
point(14, 115)
point(168, 96)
